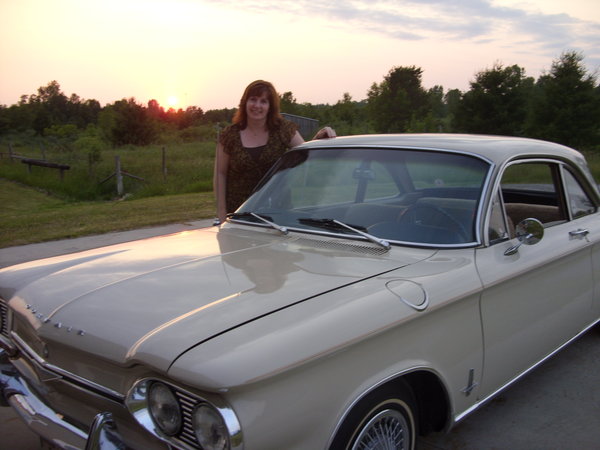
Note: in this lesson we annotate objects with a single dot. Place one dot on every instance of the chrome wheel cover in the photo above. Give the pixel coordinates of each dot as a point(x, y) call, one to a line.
point(388, 430)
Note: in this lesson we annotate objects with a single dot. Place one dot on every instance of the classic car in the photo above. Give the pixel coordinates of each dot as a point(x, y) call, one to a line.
point(372, 288)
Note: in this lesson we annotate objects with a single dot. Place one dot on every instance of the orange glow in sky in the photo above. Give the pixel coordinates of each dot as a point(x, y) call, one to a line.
point(203, 53)
point(172, 101)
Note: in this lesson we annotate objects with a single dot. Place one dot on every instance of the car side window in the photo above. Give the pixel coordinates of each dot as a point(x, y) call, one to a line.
point(527, 190)
point(580, 203)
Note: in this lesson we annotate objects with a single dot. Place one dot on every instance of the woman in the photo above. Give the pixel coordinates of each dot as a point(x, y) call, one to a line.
point(248, 148)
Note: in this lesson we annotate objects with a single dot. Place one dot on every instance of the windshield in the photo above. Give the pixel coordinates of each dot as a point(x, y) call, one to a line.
point(408, 196)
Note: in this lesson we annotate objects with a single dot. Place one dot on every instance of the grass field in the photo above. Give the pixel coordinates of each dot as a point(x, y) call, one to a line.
point(38, 206)
point(189, 168)
point(29, 215)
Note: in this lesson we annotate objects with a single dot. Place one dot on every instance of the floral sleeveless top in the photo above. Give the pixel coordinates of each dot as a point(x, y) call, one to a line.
point(246, 168)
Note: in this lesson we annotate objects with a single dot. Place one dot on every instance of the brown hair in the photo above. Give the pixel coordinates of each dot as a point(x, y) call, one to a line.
point(256, 89)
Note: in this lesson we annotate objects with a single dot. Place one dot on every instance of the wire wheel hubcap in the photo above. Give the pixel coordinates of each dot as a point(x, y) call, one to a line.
point(386, 431)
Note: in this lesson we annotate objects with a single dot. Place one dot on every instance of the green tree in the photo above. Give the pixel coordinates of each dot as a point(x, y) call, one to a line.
point(347, 116)
point(433, 119)
point(289, 104)
point(452, 100)
point(566, 104)
point(496, 103)
point(49, 108)
point(398, 100)
point(127, 122)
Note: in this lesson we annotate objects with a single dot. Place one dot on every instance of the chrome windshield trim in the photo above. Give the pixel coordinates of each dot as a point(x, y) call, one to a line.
point(69, 376)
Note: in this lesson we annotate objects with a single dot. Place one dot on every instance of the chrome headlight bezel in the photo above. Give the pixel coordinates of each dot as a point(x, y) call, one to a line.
point(137, 402)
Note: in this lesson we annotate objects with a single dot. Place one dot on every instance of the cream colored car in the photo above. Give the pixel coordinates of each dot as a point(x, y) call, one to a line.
point(371, 289)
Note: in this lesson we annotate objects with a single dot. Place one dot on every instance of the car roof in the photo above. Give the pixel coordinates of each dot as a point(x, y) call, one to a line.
point(497, 149)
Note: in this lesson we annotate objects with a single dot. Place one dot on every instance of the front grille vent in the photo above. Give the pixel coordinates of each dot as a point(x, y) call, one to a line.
point(343, 245)
point(187, 403)
point(3, 319)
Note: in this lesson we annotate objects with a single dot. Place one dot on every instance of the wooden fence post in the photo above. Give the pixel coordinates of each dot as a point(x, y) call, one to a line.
point(119, 175)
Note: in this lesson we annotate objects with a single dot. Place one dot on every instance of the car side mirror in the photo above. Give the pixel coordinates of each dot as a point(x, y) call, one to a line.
point(529, 232)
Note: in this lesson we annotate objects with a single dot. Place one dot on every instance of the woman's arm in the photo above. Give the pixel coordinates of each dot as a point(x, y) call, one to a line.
point(220, 181)
point(323, 133)
point(296, 140)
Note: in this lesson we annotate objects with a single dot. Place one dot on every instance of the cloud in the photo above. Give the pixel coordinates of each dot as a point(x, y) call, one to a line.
point(474, 21)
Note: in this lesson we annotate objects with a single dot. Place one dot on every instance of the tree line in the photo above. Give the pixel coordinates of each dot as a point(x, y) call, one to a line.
point(562, 105)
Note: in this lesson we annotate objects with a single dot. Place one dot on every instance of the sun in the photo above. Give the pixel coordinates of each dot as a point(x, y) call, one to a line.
point(172, 101)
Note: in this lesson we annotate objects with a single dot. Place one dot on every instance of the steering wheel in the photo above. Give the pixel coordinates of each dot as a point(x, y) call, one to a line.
point(412, 213)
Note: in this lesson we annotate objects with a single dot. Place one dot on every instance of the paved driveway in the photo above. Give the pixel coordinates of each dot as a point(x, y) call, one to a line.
point(557, 406)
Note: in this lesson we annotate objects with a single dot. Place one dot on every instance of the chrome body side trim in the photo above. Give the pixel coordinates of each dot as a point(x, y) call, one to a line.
point(27, 350)
point(480, 403)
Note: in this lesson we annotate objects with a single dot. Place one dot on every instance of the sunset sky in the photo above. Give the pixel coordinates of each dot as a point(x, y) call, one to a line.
point(203, 53)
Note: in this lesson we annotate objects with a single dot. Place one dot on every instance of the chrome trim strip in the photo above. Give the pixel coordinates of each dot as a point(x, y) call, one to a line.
point(461, 416)
point(27, 350)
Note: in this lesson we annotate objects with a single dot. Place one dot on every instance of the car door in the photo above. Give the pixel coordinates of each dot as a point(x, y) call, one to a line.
point(538, 298)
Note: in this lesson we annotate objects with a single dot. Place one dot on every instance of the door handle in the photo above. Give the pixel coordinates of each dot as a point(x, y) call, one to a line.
point(580, 233)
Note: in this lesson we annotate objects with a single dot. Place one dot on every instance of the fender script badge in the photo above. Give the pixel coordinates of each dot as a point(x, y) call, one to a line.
point(47, 320)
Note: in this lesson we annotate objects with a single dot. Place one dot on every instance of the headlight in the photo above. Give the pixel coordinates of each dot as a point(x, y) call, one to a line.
point(210, 428)
point(164, 408)
point(184, 419)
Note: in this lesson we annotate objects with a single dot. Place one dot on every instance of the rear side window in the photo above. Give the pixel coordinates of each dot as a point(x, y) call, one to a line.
point(580, 203)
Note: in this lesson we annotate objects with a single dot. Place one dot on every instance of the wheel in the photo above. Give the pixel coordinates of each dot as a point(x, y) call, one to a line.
point(428, 214)
point(384, 420)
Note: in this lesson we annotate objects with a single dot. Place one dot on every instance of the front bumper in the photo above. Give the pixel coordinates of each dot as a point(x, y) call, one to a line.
point(16, 391)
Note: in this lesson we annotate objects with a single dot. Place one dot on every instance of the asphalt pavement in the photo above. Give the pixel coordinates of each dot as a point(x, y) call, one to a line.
point(556, 406)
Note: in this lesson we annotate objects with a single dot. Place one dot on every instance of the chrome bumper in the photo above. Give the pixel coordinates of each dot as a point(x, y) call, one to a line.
point(16, 392)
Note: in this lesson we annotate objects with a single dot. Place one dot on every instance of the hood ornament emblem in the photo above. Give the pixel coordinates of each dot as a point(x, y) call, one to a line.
point(47, 320)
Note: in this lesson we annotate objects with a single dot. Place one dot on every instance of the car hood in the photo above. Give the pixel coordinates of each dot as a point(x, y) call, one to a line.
point(149, 301)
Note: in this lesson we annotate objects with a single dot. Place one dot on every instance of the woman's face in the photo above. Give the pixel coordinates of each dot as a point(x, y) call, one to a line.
point(257, 107)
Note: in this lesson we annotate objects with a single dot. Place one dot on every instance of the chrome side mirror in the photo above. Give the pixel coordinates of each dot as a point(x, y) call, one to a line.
point(529, 232)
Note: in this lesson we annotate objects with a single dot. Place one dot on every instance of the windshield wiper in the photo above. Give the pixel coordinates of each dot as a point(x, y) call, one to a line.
point(264, 219)
point(336, 225)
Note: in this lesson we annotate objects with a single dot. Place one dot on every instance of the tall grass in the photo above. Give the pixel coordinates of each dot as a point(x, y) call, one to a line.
point(189, 169)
